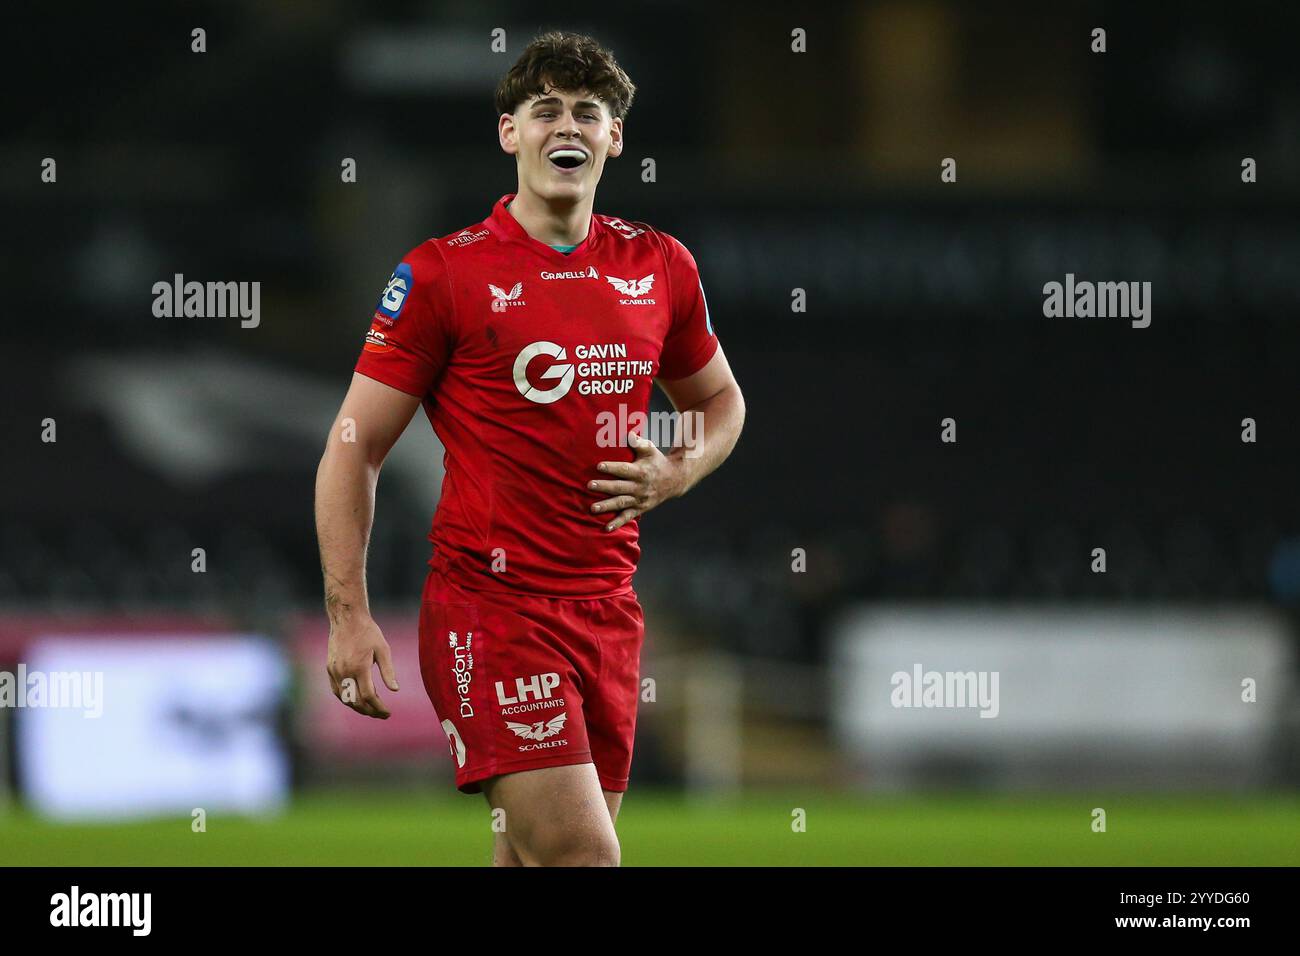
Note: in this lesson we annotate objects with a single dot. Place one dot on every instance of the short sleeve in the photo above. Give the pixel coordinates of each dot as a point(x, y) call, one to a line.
point(410, 333)
point(690, 341)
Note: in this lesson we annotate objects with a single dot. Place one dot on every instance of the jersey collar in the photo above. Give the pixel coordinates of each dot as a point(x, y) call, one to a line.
point(507, 227)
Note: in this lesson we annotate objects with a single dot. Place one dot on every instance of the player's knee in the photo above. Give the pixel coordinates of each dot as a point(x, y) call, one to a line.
point(503, 854)
point(572, 847)
point(608, 854)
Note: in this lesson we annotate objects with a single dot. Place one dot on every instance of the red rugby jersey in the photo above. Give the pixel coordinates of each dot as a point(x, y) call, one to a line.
point(516, 350)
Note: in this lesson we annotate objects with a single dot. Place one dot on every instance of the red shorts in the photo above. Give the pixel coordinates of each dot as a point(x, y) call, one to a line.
point(521, 682)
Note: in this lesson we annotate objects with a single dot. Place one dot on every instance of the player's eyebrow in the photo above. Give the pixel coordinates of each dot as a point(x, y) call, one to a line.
point(556, 101)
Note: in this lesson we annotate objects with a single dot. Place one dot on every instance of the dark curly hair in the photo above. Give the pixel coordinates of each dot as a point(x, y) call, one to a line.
point(565, 61)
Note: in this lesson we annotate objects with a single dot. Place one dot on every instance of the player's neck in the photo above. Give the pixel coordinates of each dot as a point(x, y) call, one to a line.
point(556, 224)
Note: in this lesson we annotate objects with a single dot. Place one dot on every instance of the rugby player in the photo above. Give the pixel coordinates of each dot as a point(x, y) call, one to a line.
point(520, 335)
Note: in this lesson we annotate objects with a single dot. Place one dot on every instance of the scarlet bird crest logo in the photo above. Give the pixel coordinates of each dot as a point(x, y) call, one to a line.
point(632, 288)
point(539, 730)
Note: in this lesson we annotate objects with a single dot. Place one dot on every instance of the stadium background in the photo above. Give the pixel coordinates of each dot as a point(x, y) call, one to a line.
point(779, 170)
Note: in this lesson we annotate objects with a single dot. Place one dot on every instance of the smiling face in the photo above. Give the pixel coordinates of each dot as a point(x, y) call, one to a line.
point(560, 141)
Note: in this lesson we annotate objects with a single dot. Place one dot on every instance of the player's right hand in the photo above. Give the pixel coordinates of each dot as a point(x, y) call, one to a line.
point(355, 647)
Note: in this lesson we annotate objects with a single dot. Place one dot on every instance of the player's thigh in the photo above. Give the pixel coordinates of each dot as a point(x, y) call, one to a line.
point(555, 816)
point(503, 854)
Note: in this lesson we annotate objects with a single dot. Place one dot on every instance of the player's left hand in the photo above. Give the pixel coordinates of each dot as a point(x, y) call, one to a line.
point(637, 486)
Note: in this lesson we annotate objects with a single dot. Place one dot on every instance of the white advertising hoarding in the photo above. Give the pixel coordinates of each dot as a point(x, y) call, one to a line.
point(131, 726)
point(1058, 694)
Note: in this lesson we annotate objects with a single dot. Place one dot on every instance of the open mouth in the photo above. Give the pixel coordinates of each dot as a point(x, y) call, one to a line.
point(567, 159)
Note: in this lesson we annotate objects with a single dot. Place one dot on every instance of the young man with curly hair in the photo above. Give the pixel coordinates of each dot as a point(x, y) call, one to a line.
point(523, 336)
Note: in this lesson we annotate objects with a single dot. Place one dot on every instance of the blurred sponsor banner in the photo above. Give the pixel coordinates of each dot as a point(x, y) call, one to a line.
point(334, 734)
point(1060, 696)
point(18, 630)
point(124, 725)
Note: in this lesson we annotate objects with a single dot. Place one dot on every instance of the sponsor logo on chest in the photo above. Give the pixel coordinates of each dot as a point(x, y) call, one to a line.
point(588, 273)
point(601, 369)
point(502, 300)
point(631, 292)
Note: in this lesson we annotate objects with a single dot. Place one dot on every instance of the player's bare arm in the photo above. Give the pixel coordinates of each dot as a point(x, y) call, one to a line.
point(370, 420)
point(654, 477)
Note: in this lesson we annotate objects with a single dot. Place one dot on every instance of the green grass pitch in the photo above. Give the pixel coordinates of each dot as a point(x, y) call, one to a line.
point(665, 830)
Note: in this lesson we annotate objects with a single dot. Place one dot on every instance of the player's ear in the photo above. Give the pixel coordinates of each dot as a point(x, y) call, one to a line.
point(616, 137)
point(508, 134)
